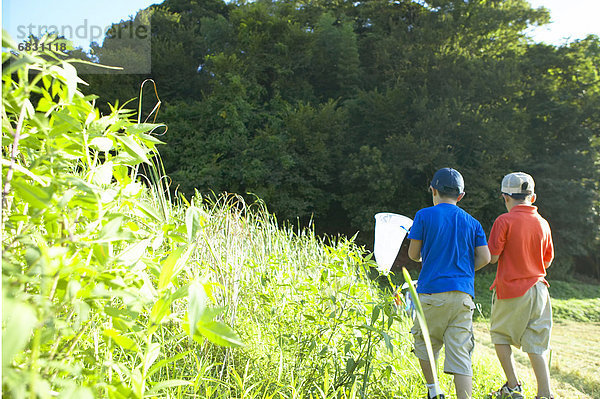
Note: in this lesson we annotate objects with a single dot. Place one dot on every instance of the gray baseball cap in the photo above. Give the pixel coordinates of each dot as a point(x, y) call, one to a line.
point(518, 183)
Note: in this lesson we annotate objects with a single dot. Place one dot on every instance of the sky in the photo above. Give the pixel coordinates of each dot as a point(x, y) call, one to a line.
point(569, 20)
point(83, 20)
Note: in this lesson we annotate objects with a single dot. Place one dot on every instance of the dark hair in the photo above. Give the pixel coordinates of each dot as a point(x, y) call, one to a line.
point(451, 194)
point(518, 196)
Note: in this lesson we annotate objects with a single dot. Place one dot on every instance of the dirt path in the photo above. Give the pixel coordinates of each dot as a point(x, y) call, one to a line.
point(575, 359)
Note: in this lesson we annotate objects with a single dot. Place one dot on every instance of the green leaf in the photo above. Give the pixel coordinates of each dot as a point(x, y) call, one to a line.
point(111, 231)
point(151, 140)
point(152, 353)
point(101, 253)
point(35, 258)
point(164, 362)
point(181, 292)
point(18, 169)
point(121, 340)
point(7, 41)
point(218, 333)
point(173, 265)
point(44, 104)
point(82, 311)
point(18, 321)
point(197, 304)
point(19, 62)
point(68, 195)
point(194, 221)
point(103, 144)
point(69, 75)
point(388, 342)
point(138, 383)
point(160, 310)
point(375, 314)
point(118, 390)
point(133, 253)
point(102, 175)
point(146, 210)
point(168, 384)
point(86, 188)
point(37, 197)
point(133, 148)
point(141, 128)
point(125, 158)
point(123, 313)
point(201, 319)
point(350, 365)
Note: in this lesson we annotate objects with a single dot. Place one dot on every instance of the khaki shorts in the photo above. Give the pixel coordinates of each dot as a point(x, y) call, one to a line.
point(525, 321)
point(449, 318)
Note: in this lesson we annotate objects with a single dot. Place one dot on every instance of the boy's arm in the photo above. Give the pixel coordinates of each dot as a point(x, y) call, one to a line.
point(549, 248)
point(482, 256)
point(414, 250)
point(497, 239)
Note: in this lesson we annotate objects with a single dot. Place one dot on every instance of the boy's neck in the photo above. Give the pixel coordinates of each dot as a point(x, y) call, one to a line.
point(441, 200)
point(511, 204)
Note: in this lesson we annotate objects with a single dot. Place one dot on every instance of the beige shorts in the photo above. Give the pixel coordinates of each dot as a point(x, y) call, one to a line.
point(449, 318)
point(525, 321)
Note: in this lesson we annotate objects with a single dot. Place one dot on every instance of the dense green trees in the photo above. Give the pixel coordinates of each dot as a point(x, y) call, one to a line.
point(336, 110)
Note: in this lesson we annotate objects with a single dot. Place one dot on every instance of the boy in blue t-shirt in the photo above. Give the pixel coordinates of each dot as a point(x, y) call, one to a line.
point(451, 245)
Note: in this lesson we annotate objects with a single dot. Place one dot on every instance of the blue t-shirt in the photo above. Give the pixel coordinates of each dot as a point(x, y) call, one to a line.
point(449, 236)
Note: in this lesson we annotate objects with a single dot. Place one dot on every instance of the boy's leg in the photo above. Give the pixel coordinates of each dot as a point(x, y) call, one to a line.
point(459, 342)
point(435, 316)
point(536, 338)
point(427, 372)
point(432, 388)
point(542, 374)
point(504, 353)
point(463, 385)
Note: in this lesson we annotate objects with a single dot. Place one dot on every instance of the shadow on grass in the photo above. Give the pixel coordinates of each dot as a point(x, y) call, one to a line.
point(583, 383)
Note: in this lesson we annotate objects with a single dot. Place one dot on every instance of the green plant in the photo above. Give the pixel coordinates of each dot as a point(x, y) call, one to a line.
point(90, 260)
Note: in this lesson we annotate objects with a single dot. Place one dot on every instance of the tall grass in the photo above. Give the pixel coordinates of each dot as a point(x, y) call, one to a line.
point(312, 322)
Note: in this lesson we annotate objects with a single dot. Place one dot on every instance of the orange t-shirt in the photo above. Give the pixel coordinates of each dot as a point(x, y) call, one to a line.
point(523, 240)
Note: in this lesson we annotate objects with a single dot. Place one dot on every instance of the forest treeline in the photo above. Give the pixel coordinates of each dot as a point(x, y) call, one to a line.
point(334, 110)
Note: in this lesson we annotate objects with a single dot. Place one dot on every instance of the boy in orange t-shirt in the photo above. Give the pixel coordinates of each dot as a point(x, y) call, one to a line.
point(521, 243)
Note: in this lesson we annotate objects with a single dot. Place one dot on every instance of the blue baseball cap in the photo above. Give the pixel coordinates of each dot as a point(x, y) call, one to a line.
point(448, 180)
